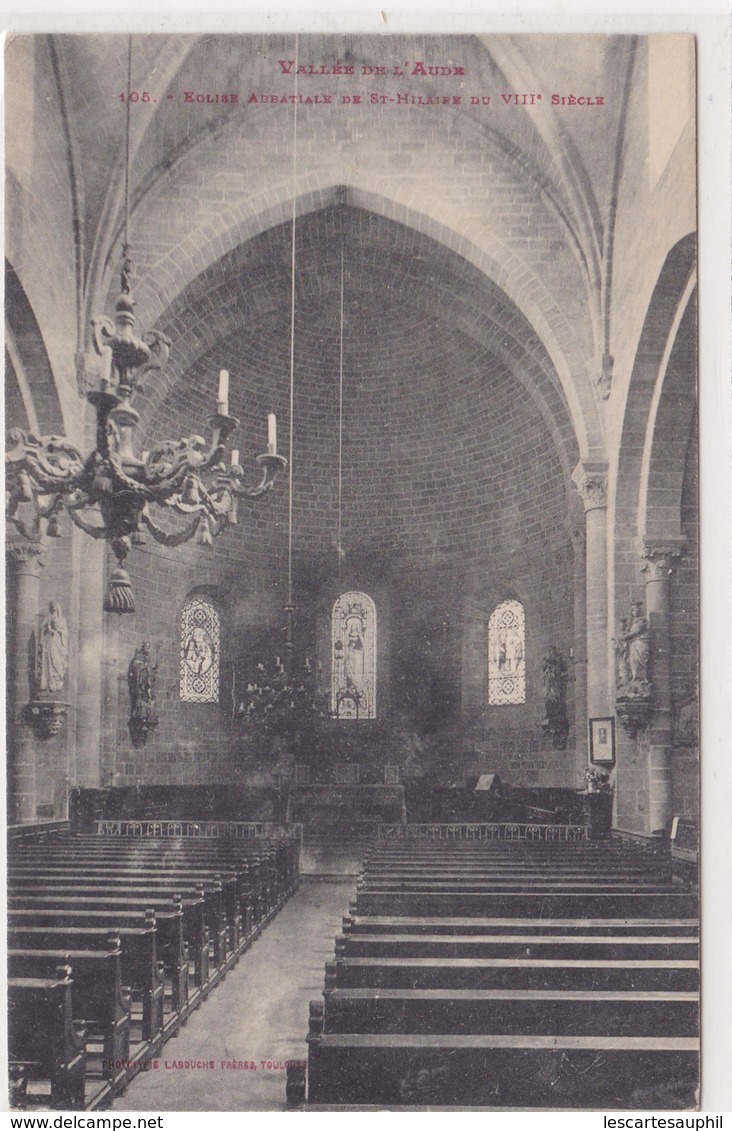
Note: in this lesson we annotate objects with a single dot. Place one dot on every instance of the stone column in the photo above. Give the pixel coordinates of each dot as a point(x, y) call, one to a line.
point(89, 555)
point(660, 559)
point(579, 647)
point(24, 567)
point(591, 482)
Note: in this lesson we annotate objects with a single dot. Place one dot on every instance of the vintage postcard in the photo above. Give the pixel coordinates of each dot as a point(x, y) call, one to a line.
point(352, 515)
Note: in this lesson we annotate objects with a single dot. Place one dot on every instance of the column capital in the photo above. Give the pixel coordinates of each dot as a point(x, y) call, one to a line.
point(590, 479)
point(660, 557)
point(28, 554)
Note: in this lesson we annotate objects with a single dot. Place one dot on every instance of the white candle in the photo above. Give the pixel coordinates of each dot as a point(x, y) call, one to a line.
point(223, 393)
point(272, 434)
point(144, 456)
point(234, 457)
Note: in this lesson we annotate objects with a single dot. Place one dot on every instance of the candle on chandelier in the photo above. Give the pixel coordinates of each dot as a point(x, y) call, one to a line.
point(223, 397)
point(271, 434)
point(234, 457)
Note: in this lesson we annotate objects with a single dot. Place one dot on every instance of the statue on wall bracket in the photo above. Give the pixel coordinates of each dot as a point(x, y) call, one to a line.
point(634, 693)
point(555, 676)
point(141, 676)
point(46, 711)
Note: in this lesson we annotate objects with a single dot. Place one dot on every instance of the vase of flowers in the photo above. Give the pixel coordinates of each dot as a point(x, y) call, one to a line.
point(597, 781)
point(598, 802)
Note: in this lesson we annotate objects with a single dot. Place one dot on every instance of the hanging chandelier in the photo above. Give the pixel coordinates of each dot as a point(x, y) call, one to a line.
point(110, 493)
point(188, 477)
point(282, 695)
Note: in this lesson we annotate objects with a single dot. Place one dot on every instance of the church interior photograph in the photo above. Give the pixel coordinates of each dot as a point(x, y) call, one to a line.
point(352, 572)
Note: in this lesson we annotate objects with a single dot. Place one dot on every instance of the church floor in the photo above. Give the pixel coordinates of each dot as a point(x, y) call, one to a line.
point(259, 1013)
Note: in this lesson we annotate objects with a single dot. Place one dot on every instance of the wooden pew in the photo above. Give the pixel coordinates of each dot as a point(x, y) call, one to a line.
point(581, 1012)
point(547, 905)
point(180, 923)
point(487, 975)
point(514, 973)
point(355, 923)
point(165, 899)
point(98, 999)
point(555, 946)
point(161, 858)
point(141, 971)
point(43, 1041)
point(275, 866)
point(502, 1070)
point(224, 913)
point(196, 910)
point(171, 948)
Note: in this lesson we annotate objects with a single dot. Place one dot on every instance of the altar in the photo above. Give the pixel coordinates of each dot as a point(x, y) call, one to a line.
point(325, 805)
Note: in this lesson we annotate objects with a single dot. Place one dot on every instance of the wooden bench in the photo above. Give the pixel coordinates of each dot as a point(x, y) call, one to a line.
point(44, 1044)
point(545, 905)
point(620, 1012)
point(503, 1070)
point(553, 945)
point(166, 901)
point(355, 923)
point(98, 999)
point(43, 892)
point(224, 912)
point(141, 971)
point(501, 975)
point(276, 866)
point(171, 948)
point(516, 973)
point(254, 884)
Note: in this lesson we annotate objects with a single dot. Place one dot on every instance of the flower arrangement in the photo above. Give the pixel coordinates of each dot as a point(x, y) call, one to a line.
point(597, 781)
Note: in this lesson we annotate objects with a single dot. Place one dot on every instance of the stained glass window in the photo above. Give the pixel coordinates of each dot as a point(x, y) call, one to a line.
point(507, 654)
point(353, 694)
point(200, 631)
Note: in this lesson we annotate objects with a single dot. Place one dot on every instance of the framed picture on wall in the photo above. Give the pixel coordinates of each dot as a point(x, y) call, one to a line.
point(602, 741)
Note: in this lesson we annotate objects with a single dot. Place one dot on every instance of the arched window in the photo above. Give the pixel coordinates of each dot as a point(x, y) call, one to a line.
point(507, 654)
point(200, 634)
point(353, 683)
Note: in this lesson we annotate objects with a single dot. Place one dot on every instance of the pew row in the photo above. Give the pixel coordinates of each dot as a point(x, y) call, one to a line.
point(145, 929)
point(510, 975)
point(45, 1044)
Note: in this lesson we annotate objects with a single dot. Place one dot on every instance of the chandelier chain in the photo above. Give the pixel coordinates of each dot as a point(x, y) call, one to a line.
point(127, 146)
point(292, 333)
point(340, 420)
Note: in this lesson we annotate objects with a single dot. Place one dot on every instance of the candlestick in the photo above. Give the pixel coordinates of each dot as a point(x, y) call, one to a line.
point(223, 397)
point(271, 434)
point(234, 457)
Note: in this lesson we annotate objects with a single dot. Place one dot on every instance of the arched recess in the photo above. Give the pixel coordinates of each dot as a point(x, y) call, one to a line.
point(649, 454)
point(652, 474)
point(250, 286)
point(159, 287)
point(31, 390)
point(669, 427)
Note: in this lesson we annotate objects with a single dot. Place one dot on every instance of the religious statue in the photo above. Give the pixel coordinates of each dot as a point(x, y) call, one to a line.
point(633, 647)
point(621, 653)
point(141, 682)
point(53, 655)
point(632, 650)
point(556, 677)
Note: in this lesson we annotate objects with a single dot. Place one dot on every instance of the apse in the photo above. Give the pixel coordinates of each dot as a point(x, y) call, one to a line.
point(426, 470)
